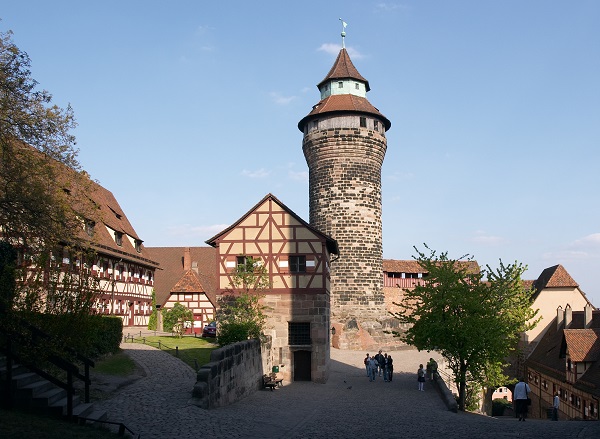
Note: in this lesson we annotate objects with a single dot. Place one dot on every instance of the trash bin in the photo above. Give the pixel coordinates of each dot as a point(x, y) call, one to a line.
point(275, 369)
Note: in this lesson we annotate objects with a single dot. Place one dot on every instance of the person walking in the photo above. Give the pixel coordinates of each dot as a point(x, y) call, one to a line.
point(372, 369)
point(421, 378)
point(433, 367)
point(379, 359)
point(390, 367)
point(385, 367)
point(555, 406)
point(367, 358)
point(521, 397)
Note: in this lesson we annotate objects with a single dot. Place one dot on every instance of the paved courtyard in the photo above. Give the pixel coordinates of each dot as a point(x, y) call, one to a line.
point(348, 406)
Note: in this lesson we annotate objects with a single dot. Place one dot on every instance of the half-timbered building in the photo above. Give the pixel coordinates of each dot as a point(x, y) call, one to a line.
point(123, 266)
point(187, 275)
point(297, 259)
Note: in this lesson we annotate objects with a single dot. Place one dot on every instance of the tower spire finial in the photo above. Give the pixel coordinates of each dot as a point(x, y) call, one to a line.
point(344, 24)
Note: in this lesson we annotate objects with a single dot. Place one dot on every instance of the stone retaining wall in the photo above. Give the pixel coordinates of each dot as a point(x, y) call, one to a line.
point(234, 372)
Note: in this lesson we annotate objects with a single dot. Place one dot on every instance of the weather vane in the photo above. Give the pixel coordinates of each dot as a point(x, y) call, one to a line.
point(344, 24)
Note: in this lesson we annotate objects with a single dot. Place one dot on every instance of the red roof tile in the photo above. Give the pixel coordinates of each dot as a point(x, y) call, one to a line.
point(344, 69)
point(555, 277)
point(346, 103)
point(583, 344)
point(174, 277)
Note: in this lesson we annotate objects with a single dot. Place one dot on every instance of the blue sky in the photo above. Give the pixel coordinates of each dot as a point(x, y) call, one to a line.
point(188, 113)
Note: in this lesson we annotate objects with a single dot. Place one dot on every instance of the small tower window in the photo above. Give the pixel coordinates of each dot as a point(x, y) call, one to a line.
point(356, 86)
point(340, 84)
point(376, 125)
point(363, 122)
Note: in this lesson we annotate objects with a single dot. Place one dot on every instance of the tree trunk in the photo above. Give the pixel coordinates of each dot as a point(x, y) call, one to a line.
point(462, 387)
point(487, 401)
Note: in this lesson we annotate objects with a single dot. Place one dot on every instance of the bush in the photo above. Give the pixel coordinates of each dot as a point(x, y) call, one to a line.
point(499, 405)
point(89, 335)
point(177, 315)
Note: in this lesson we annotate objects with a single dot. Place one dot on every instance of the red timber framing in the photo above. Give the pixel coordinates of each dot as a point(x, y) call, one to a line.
point(296, 257)
point(273, 233)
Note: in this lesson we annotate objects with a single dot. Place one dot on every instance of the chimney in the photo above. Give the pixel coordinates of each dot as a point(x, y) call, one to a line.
point(187, 259)
point(568, 316)
point(560, 316)
point(587, 312)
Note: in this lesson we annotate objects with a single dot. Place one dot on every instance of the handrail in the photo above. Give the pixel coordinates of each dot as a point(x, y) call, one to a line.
point(161, 346)
point(122, 427)
point(71, 369)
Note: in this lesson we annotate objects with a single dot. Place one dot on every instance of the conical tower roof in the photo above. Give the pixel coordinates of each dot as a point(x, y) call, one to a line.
point(346, 102)
point(344, 69)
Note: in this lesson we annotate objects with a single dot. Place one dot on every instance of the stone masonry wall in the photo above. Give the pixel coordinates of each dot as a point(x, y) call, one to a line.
point(298, 307)
point(234, 372)
point(345, 203)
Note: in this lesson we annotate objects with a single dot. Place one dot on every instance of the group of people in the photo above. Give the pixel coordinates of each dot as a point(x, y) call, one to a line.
point(380, 364)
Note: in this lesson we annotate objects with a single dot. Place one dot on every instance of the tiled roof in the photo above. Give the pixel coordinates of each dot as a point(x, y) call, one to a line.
point(111, 214)
point(583, 344)
point(344, 69)
point(548, 355)
point(555, 277)
point(400, 266)
point(412, 266)
point(104, 210)
point(345, 103)
point(172, 275)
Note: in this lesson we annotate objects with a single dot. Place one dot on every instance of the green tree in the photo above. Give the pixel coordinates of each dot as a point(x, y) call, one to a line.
point(44, 202)
point(472, 317)
point(241, 315)
point(153, 319)
point(176, 319)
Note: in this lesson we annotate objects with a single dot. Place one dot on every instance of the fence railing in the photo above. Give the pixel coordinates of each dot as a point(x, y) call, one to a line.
point(163, 347)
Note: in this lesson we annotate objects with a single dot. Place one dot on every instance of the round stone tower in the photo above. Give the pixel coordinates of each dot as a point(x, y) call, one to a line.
point(344, 145)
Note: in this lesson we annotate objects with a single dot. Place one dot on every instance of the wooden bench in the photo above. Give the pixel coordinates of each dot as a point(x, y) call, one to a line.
point(268, 382)
point(278, 381)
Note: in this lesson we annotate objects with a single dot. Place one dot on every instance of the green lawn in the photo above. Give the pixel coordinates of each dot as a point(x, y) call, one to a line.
point(189, 348)
point(117, 364)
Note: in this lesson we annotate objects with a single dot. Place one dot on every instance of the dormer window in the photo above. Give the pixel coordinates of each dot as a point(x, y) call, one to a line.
point(138, 245)
point(119, 238)
point(89, 227)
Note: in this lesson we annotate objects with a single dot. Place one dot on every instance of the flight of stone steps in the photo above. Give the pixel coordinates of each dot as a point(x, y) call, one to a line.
point(33, 393)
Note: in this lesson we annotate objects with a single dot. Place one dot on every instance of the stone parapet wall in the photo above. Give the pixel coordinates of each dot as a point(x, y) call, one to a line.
point(234, 372)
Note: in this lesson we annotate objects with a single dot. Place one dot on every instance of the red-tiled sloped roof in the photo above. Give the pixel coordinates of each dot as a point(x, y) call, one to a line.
point(346, 103)
point(555, 277)
point(188, 283)
point(412, 266)
point(344, 69)
point(583, 344)
point(400, 266)
point(172, 273)
point(549, 354)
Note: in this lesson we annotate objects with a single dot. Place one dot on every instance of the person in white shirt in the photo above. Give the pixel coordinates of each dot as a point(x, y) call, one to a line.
point(521, 395)
point(555, 406)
